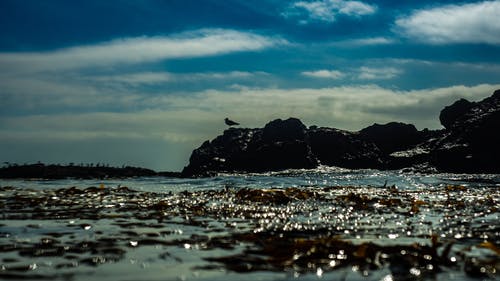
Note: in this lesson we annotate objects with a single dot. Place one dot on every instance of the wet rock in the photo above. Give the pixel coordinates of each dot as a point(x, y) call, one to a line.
point(279, 130)
point(335, 147)
point(468, 144)
point(279, 145)
point(393, 136)
point(453, 112)
point(281, 155)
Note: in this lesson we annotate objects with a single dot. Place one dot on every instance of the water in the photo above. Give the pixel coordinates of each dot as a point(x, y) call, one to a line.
point(321, 177)
point(294, 225)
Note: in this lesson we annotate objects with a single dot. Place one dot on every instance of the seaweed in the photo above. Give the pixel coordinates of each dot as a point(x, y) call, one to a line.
point(308, 230)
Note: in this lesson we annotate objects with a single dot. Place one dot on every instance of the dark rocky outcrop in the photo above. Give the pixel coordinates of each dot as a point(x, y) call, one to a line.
point(335, 147)
point(472, 142)
point(281, 144)
point(393, 136)
point(451, 113)
point(469, 143)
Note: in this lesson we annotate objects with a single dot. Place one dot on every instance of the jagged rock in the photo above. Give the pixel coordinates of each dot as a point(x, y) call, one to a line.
point(283, 130)
point(224, 153)
point(294, 154)
point(451, 113)
point(469, 143)
point(393, 136)
point(345, 149)
point(279, 145)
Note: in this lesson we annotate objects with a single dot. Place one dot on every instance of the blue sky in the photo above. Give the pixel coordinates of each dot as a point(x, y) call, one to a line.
point(145, 82)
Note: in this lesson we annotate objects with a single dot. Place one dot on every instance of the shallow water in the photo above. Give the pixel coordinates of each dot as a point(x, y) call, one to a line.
point(293, 225)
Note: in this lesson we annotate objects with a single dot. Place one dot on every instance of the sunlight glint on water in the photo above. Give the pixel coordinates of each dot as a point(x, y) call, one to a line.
point(305, 224)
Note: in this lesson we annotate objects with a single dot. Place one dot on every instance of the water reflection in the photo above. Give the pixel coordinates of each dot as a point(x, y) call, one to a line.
point(321, 177)
point(302, 223)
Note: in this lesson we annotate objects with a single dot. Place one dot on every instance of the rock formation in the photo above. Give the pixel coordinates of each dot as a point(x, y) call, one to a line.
point(279, 145)
point(469, 143)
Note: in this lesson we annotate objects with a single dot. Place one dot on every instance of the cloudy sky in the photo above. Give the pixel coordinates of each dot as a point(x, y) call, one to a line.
point(145, 82)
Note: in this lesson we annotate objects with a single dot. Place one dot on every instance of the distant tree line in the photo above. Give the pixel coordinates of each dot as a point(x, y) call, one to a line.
point(80, 171)
point(70, 164)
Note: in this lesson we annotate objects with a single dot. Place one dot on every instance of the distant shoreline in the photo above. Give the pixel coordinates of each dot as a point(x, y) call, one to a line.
point(88, 171)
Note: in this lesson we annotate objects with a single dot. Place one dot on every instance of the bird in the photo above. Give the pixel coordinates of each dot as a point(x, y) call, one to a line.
point(230, 122)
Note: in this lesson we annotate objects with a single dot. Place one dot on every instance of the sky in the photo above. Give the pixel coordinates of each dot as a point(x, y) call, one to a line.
point(143, 83)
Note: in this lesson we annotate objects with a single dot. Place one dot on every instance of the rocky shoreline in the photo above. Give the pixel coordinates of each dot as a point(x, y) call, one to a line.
point(467, 144)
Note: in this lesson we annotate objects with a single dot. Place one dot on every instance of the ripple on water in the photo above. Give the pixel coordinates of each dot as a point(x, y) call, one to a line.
point(416, 226)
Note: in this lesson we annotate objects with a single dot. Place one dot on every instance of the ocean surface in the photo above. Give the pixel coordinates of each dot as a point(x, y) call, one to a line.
point(327, 223)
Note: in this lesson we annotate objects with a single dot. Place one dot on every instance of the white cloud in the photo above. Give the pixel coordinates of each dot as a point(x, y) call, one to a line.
point(184, 121)
point(370, 41)
point(61, 92)
point(467, 23)
point(380, 73)
point(222, 75)
point(197, 116)
point(356, 8)
point(327, 10)
point(330, 74)
point(166, 77)
point(137, 78)
point(205, 42)
point(317, 10)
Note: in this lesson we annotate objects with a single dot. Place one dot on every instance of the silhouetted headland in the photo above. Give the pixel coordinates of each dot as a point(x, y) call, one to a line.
point(469, 143)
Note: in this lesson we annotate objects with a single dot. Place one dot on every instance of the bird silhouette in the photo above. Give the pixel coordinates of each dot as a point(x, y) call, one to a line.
point(230, 122)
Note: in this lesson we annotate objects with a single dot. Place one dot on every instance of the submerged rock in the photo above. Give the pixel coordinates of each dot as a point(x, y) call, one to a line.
point(469, 144)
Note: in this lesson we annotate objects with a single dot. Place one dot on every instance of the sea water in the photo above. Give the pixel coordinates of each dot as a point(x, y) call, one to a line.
point(290, 225)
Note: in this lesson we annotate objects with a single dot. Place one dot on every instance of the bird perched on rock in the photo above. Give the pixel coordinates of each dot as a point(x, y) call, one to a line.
point(230, 122)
